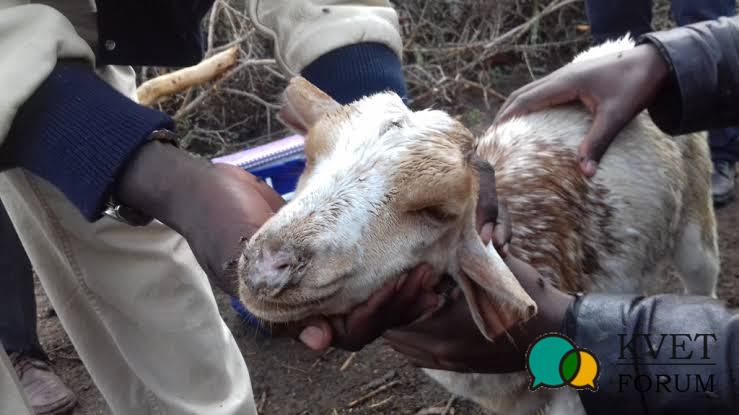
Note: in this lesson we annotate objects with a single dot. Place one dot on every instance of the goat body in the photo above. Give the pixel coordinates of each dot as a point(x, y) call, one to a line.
point(387, 188)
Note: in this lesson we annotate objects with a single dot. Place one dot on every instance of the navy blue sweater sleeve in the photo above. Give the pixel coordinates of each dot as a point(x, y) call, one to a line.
point(77, 132)
point(354, 71)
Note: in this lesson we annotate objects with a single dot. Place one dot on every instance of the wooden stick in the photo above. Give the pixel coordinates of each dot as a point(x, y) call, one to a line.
point(373, 393)
point(211, 68)
point(348, 361)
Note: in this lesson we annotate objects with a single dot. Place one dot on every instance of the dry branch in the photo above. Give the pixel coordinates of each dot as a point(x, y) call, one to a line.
point(151, 91)
point(375, 392)
point(348, 362)
point(455, 51)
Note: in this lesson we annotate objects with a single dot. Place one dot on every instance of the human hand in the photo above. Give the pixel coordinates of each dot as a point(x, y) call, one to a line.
point(213, 206)
point(397, 303)
point(450, 340)
point(615, 88)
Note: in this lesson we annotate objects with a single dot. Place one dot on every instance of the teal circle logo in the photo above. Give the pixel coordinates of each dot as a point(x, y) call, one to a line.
point(554, 360)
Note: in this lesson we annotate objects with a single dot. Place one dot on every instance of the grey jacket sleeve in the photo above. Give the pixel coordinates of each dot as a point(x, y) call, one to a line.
point(704, 86)
point(665, 354)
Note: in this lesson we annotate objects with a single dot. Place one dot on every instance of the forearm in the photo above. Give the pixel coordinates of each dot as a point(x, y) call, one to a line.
point(689, 337)
point(704, 83)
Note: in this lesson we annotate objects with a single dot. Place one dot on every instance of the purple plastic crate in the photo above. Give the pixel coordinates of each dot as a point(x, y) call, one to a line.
point(279, 163)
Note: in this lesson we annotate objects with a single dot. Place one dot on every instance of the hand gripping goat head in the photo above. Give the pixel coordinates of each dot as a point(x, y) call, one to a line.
point(384, 189)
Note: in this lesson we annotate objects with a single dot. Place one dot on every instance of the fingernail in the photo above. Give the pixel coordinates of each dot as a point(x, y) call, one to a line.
point(399, 283)
point(486, 233)
point(590, 167)
point(312, 337)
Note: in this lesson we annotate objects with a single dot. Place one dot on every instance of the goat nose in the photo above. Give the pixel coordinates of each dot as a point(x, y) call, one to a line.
point(272, 273)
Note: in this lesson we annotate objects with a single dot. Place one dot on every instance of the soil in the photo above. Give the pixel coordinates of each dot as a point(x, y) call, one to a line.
point(289, 379)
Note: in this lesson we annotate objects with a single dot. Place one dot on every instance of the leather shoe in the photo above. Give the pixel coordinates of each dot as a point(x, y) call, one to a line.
point(45, 391)
point(722, 182)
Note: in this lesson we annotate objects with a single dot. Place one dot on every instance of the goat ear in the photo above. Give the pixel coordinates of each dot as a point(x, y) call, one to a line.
point(494, 295)
point(487, 202)
point(304, 105)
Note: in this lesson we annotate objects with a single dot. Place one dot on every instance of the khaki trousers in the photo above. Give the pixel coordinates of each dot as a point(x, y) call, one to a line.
point(136, 305)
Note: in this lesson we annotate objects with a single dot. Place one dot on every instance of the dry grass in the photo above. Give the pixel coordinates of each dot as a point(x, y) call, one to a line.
point(453, 49)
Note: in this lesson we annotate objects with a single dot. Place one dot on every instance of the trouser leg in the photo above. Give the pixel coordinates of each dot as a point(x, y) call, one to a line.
point(17, 299)
point(724, 142)
point(136, 305)
point(686, 12)
point(612, 19)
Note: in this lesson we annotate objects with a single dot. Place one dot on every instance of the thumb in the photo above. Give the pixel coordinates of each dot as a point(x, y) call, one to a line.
point(317, 334)
point(606, 126)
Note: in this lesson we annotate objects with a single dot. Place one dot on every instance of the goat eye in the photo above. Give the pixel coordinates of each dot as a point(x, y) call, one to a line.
point(438, 214)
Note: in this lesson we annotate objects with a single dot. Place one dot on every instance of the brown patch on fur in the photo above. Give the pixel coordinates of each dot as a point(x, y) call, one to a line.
point(436, 173)
point(559, 217)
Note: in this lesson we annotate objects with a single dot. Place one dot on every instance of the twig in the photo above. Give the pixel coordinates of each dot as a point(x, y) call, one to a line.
point(195, 102)
point(252, 97)
point(377, 391)
point(482, 87)
point(382, 402)
point(262, 402)
point(378, 382)
point(528, 64)
point(518, 30)
point(64, 356)
point(211, 26)
point(154, 89)
point(235, 42)
point(449, 404)
point(439, 410)
point(321, 357)
point(348, 361)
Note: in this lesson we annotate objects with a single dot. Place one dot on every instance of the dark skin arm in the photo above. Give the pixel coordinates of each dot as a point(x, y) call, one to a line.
point(615, 88)
point(215, 206)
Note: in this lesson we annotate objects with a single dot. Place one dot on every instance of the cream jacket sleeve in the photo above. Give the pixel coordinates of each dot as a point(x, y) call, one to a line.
point(303, 30)
point(32, 38)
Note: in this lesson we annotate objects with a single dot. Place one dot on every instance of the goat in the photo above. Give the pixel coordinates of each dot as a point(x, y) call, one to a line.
point(386, 188)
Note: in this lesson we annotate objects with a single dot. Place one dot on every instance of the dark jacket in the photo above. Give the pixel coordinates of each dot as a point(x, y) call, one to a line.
point(688, 363)
point(703, 90)
point(146, 32)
